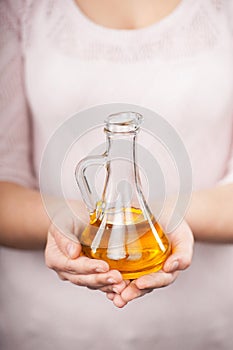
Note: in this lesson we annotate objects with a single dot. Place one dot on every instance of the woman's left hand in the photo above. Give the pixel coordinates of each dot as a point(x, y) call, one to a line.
point(182, 242)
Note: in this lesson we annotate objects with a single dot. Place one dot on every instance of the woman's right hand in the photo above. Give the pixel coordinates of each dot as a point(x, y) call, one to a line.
point(64, 256)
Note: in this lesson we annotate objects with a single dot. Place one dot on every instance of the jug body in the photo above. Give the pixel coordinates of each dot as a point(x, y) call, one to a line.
point(122, 230)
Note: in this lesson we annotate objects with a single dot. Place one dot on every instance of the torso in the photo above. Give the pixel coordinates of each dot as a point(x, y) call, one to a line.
point(182, 68)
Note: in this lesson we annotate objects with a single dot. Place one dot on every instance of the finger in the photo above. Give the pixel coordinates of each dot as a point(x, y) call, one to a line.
point(146, 284)
point(57, 261)
point(118, 301)
point(182, 249)
point(67, 246)
point(84, 266)
point(97, 281)
point(80, 266)
point(63, 278)
point(110, 296)
point(132, 292)
point(115, 288)
point(94, 281)
point(156, 280)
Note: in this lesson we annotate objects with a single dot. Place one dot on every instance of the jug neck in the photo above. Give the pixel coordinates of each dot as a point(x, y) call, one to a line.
point(121, 146)
point(122, 181)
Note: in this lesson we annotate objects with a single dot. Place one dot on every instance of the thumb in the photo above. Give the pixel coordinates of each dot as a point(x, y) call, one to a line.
point(70, 248)
point(182, 249)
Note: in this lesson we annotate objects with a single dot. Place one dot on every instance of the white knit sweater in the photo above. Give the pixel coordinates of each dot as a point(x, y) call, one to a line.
point(54, 61)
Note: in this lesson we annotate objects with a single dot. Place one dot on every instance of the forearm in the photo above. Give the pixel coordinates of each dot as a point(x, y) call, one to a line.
point(23, 220)
point(210, 214)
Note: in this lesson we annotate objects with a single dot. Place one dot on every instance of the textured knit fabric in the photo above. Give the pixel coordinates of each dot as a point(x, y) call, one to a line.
point(54, 62)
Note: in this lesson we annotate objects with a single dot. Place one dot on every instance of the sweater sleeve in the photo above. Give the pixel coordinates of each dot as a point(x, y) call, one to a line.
point(228, 178)
point(15, 135)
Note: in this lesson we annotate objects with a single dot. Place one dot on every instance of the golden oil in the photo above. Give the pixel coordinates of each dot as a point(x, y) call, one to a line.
point(127, 242)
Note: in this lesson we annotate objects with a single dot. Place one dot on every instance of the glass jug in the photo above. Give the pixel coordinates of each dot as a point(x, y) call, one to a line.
point(122, 230)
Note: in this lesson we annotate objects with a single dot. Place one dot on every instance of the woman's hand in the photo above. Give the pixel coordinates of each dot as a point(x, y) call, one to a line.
point(64, 256)
point(182, 242)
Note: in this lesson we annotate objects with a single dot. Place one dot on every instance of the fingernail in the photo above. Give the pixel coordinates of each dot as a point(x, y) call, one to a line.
point(141, 285)
point(173, 267)
point(111, 280)
point(115, 290)
point(71, 249)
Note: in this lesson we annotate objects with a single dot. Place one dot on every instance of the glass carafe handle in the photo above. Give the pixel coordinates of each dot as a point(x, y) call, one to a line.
point(85, 173)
